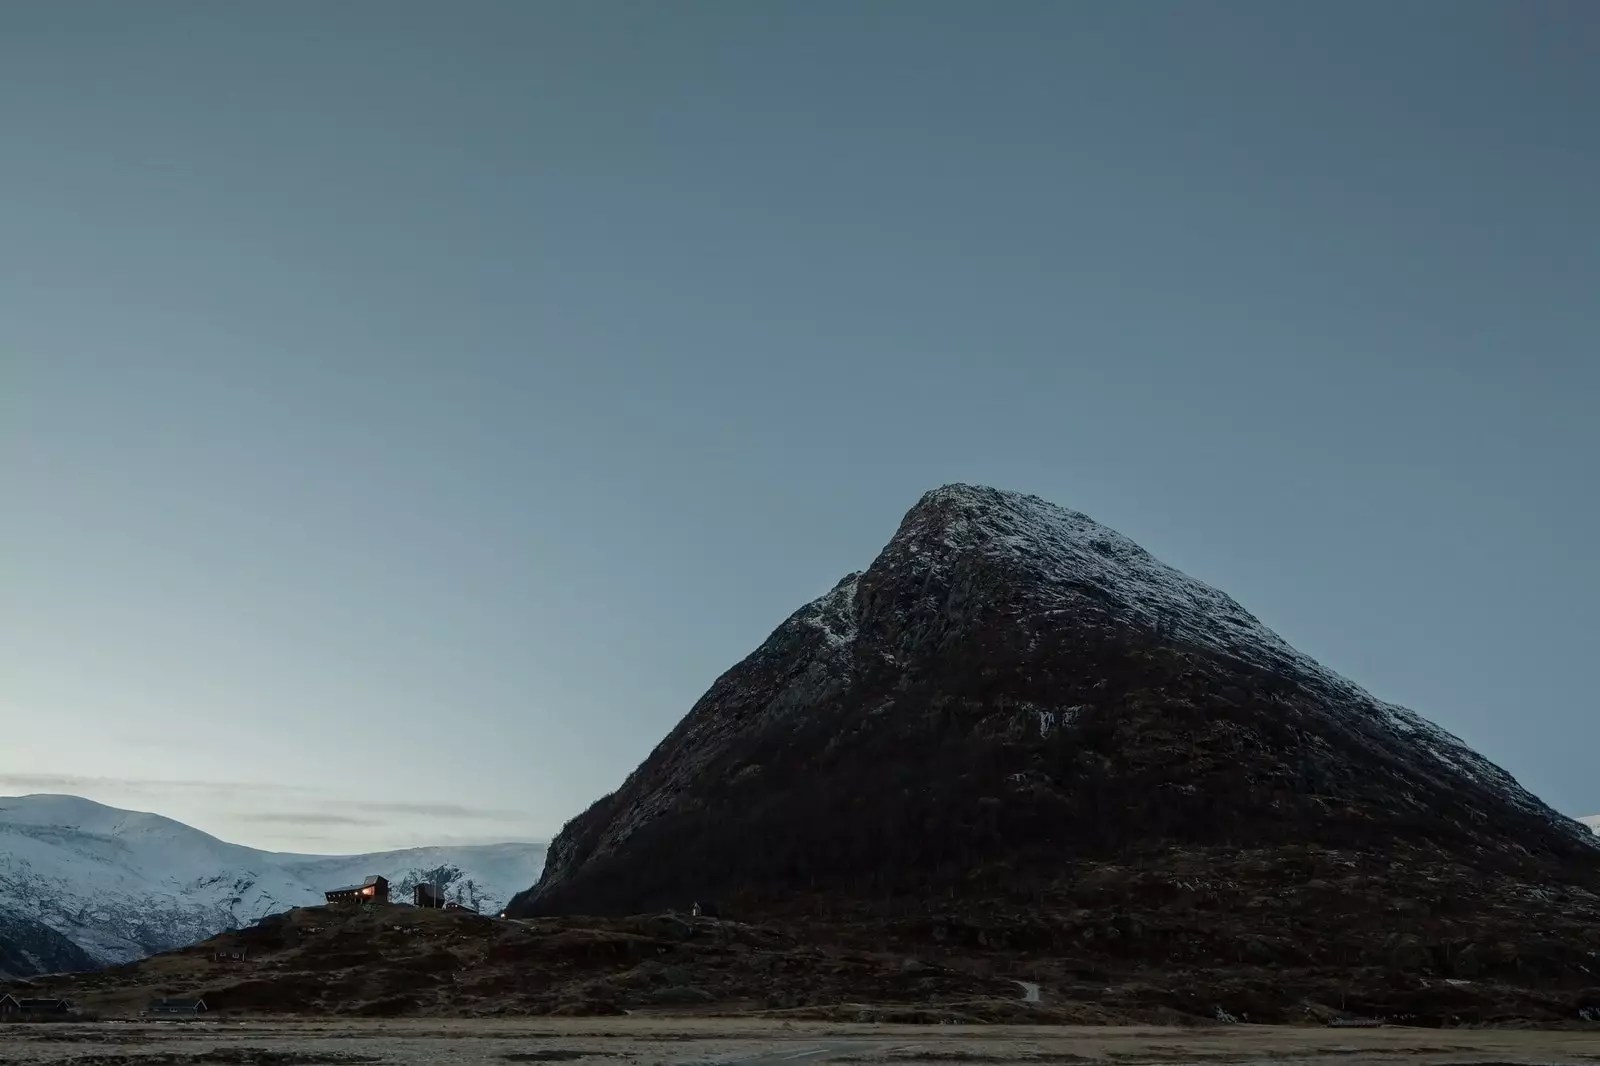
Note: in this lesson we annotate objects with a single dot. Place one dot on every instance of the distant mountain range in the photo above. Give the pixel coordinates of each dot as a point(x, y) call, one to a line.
point(83, 884)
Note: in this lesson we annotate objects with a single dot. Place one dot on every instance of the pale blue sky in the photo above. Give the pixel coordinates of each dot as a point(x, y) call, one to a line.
point(412, 403)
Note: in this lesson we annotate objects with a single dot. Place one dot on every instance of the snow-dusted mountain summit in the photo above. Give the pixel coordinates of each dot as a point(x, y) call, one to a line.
point(1011, 692)
point(123, 884)
point(1592, 821)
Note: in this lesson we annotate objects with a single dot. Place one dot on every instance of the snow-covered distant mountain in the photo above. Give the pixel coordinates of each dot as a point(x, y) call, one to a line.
point(123, 884)
point(1592, 821)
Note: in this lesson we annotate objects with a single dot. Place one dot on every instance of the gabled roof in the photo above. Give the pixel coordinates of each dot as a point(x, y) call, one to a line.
point(368, 883)
point(177, 1004)
point(40, 1004)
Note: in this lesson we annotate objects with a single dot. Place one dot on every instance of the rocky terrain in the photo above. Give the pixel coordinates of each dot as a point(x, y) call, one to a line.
point(119, 884)
point(31, 947)
point(397, 960)
point(1018, 732)
point(381, 960)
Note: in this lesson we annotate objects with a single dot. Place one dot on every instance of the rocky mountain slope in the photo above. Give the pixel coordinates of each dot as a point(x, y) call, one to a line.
point(123, 884)
point(31, 947)
point(1018, 729)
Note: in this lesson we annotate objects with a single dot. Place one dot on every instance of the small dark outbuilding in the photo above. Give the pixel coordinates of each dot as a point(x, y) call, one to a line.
point(184, 1008)
point(427, 896)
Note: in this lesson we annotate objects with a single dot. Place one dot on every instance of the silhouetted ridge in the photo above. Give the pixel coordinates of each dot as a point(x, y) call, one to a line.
point(1010, 698)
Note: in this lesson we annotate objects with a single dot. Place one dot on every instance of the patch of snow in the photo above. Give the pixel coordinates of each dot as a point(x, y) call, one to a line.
point(1592, 821)
point(834, 614)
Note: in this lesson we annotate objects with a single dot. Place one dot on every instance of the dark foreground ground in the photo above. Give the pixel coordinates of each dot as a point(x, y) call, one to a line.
point(636, 1041)
point(387, 963)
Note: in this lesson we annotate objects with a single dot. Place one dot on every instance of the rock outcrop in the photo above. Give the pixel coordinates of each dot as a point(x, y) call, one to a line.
point(29, 947)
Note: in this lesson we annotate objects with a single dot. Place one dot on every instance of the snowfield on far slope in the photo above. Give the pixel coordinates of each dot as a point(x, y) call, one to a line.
point(123, 884)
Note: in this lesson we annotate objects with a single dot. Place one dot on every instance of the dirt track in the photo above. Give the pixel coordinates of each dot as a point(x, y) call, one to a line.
point(642, 1041)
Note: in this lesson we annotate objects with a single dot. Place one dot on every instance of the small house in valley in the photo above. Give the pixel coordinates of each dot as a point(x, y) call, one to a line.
point(374, 889)
point(176, 1008)
point(13, 1008)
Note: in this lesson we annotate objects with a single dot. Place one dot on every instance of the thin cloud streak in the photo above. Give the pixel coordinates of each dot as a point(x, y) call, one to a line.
point(436, 810)
point(296, 818)
point(77, 784)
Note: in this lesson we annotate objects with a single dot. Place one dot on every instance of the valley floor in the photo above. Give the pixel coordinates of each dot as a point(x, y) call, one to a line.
point(642, 1041)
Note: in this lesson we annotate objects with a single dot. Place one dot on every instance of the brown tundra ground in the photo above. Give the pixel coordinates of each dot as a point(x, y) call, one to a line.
point(644, 1041)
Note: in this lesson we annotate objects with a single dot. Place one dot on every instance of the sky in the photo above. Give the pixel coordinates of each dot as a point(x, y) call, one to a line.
point(408, 410)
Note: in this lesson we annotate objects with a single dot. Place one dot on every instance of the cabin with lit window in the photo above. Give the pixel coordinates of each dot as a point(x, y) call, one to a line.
point(374, 889)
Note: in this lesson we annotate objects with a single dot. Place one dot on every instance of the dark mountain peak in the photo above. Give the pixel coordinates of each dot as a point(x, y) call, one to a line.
point(1055, 558)
point(1012, 697)
point(957, 503)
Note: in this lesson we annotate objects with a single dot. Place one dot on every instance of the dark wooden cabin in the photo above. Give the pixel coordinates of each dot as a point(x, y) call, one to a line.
point(11, 1007)
point(183, 1008)
point(374, 889)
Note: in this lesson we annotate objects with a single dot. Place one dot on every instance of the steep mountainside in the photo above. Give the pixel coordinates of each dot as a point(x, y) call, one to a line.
point(28, 947)
point(1018, 726)
point(122, 884)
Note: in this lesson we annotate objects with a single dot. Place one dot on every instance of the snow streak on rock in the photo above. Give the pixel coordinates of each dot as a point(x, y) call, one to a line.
point(1068, 552)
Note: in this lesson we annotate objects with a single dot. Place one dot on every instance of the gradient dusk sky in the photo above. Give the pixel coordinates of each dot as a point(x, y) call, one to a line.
point(407, 410)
